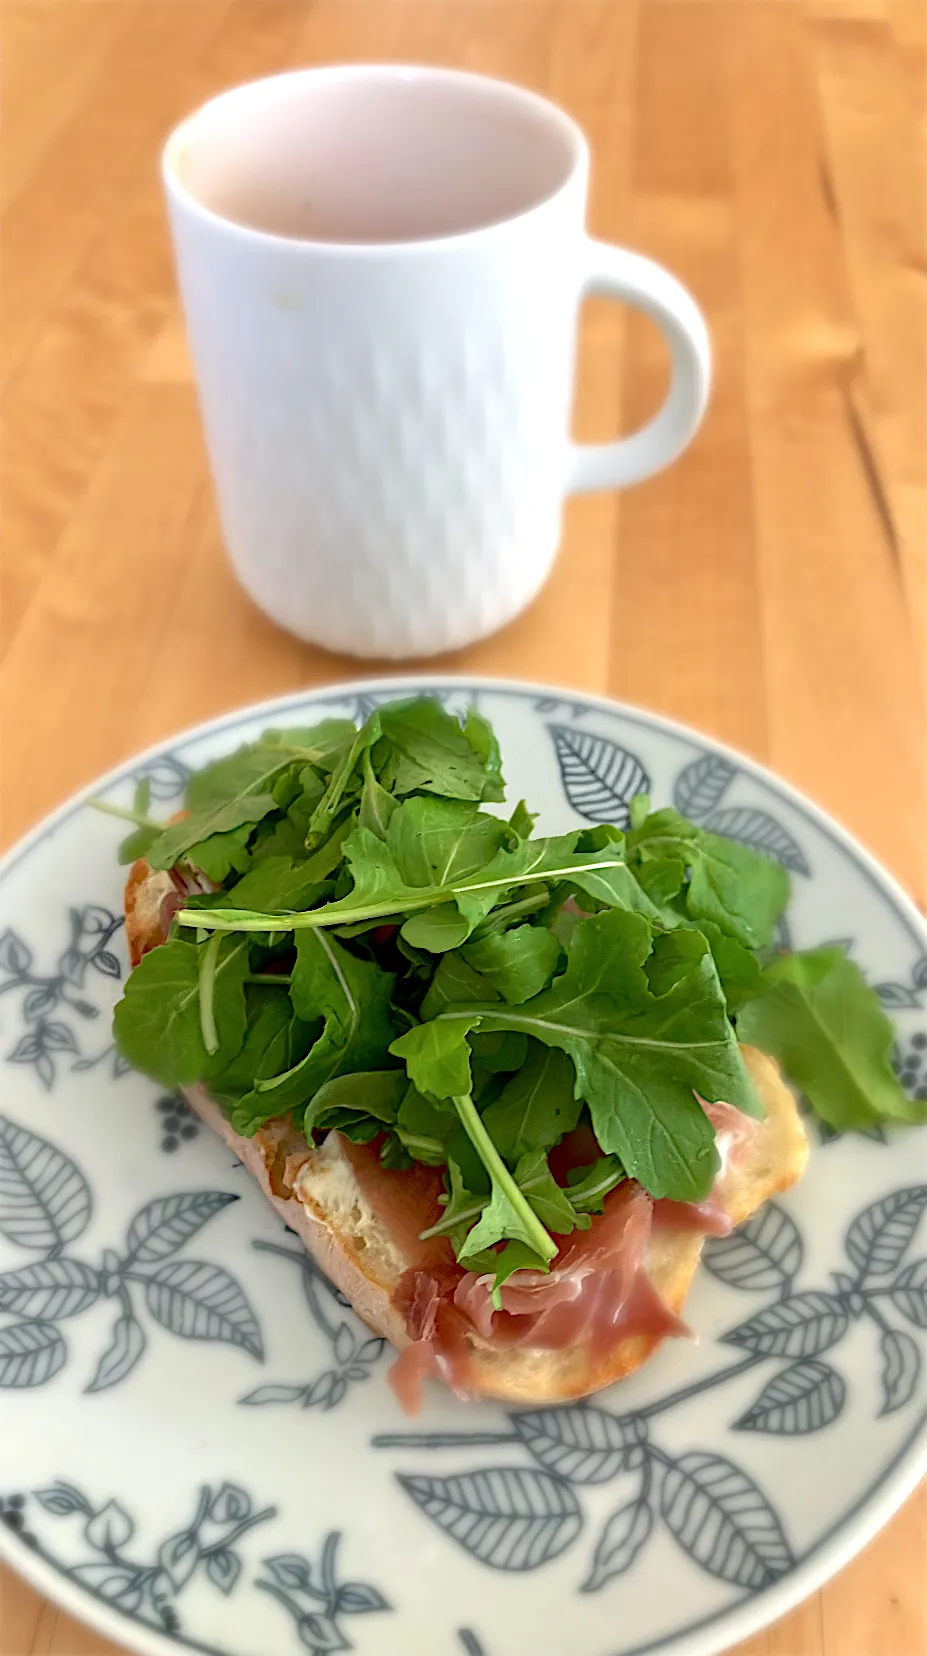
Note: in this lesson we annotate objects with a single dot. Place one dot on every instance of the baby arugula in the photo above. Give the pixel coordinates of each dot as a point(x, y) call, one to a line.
point(380, 956)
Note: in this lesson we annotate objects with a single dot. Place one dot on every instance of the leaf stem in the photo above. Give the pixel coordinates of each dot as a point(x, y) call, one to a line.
point(239, 1529)
point(443, 1440)
point(542, 1243)
point(873, 1312)
point(207, 975)
point(126, 814)
point(306, 920)
point(506, 912)
point(698, 1386)
point(448, 1224)
point(335, 914)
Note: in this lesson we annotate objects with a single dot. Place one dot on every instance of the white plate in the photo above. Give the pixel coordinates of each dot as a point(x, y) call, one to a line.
point(200, 1449)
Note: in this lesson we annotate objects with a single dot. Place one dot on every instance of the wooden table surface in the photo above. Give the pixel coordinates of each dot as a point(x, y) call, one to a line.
point(769, 589)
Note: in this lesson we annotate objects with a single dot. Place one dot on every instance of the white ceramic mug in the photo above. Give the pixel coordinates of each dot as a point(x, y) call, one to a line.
point(381, 269)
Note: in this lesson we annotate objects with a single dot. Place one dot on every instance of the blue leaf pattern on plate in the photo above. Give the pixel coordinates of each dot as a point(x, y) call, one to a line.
point(879, 1238)
point(166, 1224)
point(47, 1039)
point(45, 1204)
point(600, 778)
point(897, 997)
point(30, 1353)
point(701, 785)
point(799, 1399)
point(585, 1445)
point(45, 1200)
point(148, 1590)
point(763, 1254)
point(901, 1369)
point(506, 1516)
point(908, 1293)
point(625, 1534)
point(354, 1350)
point(722, 1519)
point(126, 1348)
point(800, 1326)
point(762, 833)
point(202, 1302)
point(316, 1600)
point(469, 1643)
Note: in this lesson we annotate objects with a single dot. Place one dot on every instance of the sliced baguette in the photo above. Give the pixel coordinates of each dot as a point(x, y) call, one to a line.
point(315, 1191)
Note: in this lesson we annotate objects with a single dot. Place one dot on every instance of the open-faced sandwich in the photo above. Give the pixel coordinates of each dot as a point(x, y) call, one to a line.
point(502, 1086)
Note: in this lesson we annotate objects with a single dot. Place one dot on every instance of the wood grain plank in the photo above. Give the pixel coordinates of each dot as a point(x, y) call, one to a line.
point(96, 336)
point(876, 180)
point(100, 615)
point(686, 556)
point(83, 177)
point(21, 1611)
point(59, 48)
point(832, 594)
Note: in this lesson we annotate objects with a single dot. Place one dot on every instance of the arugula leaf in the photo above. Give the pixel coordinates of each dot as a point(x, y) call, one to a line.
point(157, 1023)
point(462, 1207)
point(537, 1105)
point(226, 800)
point(484, 742)
point(277, 883)
point(426, 1126)
point(440, 842)
point(360, 1104)
point(455, 983)
point(199, 827)
point(824, 1024)
point(380, 892)
point(437, 1055)
point(256, 767)
point(376, 804)
point(436, 929)
point(643, 1043)
point(352, 998)
point(562, 1210)
point(522, 820)
point(425, 750)
point(552, 1204)
point(741, 891)
point(587, 1187)
point(502, 1220)
point(500, 1052)
point(508, 1216)
point(739, 970)
point(518, 963)
point(146, 831)
point(339, 782)
point(275, 1039)
point(221, 854)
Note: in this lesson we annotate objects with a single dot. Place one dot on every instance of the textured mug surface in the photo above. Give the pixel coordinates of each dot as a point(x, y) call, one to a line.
point(381, 270)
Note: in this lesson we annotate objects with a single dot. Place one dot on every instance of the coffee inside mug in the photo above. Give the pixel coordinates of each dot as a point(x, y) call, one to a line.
point(360, 155)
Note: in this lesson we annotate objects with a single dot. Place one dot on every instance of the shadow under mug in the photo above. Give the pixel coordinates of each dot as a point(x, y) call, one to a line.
point(381, 270)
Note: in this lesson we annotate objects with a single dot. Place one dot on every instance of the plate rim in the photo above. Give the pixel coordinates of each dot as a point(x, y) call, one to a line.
point(853, 1531)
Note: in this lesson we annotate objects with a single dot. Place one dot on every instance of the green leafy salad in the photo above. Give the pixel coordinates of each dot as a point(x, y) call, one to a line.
point(384, 956)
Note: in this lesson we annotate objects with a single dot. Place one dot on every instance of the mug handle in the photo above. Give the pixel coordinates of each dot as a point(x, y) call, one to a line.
point(618, 274)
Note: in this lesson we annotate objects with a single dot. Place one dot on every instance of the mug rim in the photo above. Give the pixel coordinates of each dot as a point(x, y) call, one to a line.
point(552, 112)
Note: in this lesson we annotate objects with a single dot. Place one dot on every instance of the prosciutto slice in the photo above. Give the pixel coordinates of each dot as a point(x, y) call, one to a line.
point(596, 1294)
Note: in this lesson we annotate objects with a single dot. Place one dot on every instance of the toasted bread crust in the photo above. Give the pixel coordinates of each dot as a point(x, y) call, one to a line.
point(315, 1193)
